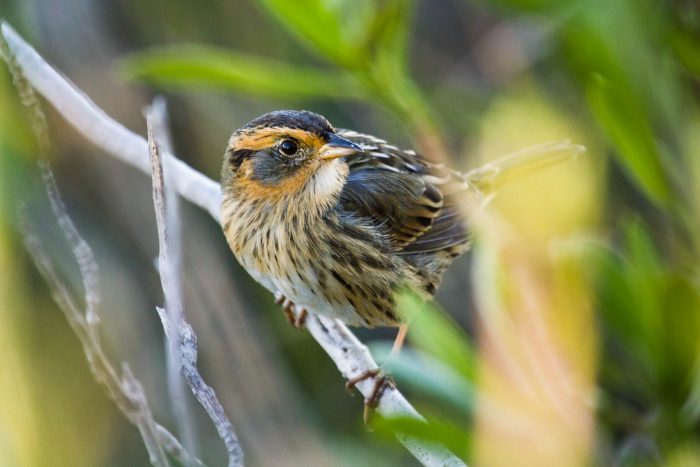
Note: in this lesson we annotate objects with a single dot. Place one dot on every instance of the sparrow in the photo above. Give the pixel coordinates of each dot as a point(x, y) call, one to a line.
point(336, 221)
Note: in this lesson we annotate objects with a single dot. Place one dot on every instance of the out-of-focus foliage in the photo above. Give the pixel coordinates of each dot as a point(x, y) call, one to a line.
point(366, 40)
point(216, 68)
point(29, 385)
point(571, 335)
point(18, 433)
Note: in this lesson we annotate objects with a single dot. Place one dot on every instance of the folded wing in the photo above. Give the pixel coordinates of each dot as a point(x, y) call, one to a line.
point(408, 196)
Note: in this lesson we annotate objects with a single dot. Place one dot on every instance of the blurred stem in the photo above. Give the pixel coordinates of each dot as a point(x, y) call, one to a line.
point(405, 98)
point(388, 75)
point(397, 91)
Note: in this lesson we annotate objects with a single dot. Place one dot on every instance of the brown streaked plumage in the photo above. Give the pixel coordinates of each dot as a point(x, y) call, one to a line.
point(337, 221)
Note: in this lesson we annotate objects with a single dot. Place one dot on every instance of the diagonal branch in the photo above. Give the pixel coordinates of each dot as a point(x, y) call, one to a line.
point(350, 356)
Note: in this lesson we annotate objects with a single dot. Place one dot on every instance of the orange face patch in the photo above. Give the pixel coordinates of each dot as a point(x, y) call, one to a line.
point(262, 138)
point(253, 189)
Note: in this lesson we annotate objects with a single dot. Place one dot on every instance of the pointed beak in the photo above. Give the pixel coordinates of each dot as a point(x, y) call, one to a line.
point(338, 147)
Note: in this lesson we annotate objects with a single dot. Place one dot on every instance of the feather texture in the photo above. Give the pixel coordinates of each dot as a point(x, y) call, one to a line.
point(408, 196)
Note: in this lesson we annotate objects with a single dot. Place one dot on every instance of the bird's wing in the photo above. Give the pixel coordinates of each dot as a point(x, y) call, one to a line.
point(416, 199)
point(408, 196)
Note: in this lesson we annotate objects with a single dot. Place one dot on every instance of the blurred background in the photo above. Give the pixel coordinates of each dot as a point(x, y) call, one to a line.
point(569, 335)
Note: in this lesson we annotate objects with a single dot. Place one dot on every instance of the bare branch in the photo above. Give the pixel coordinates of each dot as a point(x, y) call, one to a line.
point(169, 269)
point(179, 330)
point(351, 357)
point(125, 390)
point(101, 129)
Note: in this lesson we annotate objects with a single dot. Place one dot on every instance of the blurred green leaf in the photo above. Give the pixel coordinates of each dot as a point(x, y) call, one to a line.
point(428, 375)
point(387, 35)
point(433, 332)
point(650, 329)
point(641, 252)
point(651, 316)
point(388, 71)
point(680, 330)
point(454, 437)
point(186, 66)
point(626, 125)
point(642, 270)
point(646, 282)
point(691, 408)
point(619, 52)
point(327, 27)
point(687, 49)
point(631, 288)
point(528, 5)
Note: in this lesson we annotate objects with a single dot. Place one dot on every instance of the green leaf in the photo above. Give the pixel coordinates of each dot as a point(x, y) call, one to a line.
point(326, 27)
point(428, 375)
point(687, 51)
point(387, 34)
point(680, 330)
point(433, 332)
point(626, 125)
point(646, 280)
point(454, 437)
point(633, 290)
point(189, 66)
point(641, 251)
point(528, 5)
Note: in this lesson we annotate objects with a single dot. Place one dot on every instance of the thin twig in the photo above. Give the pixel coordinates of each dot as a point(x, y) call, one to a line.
point(124, 389)
point(169, 269)
point(349, 354)
point(184, 334)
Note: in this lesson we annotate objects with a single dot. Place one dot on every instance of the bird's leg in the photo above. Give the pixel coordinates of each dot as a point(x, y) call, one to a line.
point(297, 321)
point(381, 383)
point(382, 380)
point(300, 320)
point(400, 338)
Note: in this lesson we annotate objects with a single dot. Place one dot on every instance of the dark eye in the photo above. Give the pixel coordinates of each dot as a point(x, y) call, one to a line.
point(289, 147)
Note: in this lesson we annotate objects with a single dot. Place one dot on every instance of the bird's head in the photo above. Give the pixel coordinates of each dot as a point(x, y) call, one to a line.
point(285, 152)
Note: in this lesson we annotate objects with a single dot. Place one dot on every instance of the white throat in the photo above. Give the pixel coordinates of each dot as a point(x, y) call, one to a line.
point(328, 180)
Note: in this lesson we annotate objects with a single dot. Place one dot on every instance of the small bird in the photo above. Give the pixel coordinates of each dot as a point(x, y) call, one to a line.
point(336, 221)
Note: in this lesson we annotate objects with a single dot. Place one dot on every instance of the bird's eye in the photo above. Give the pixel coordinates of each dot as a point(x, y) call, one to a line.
point(289, 147)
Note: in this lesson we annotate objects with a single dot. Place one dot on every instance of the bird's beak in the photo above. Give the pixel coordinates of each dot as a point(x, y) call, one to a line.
point(338, 147)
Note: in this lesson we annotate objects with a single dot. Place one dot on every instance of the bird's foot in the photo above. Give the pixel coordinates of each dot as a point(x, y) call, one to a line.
point(382, 382)
point(296, 320)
